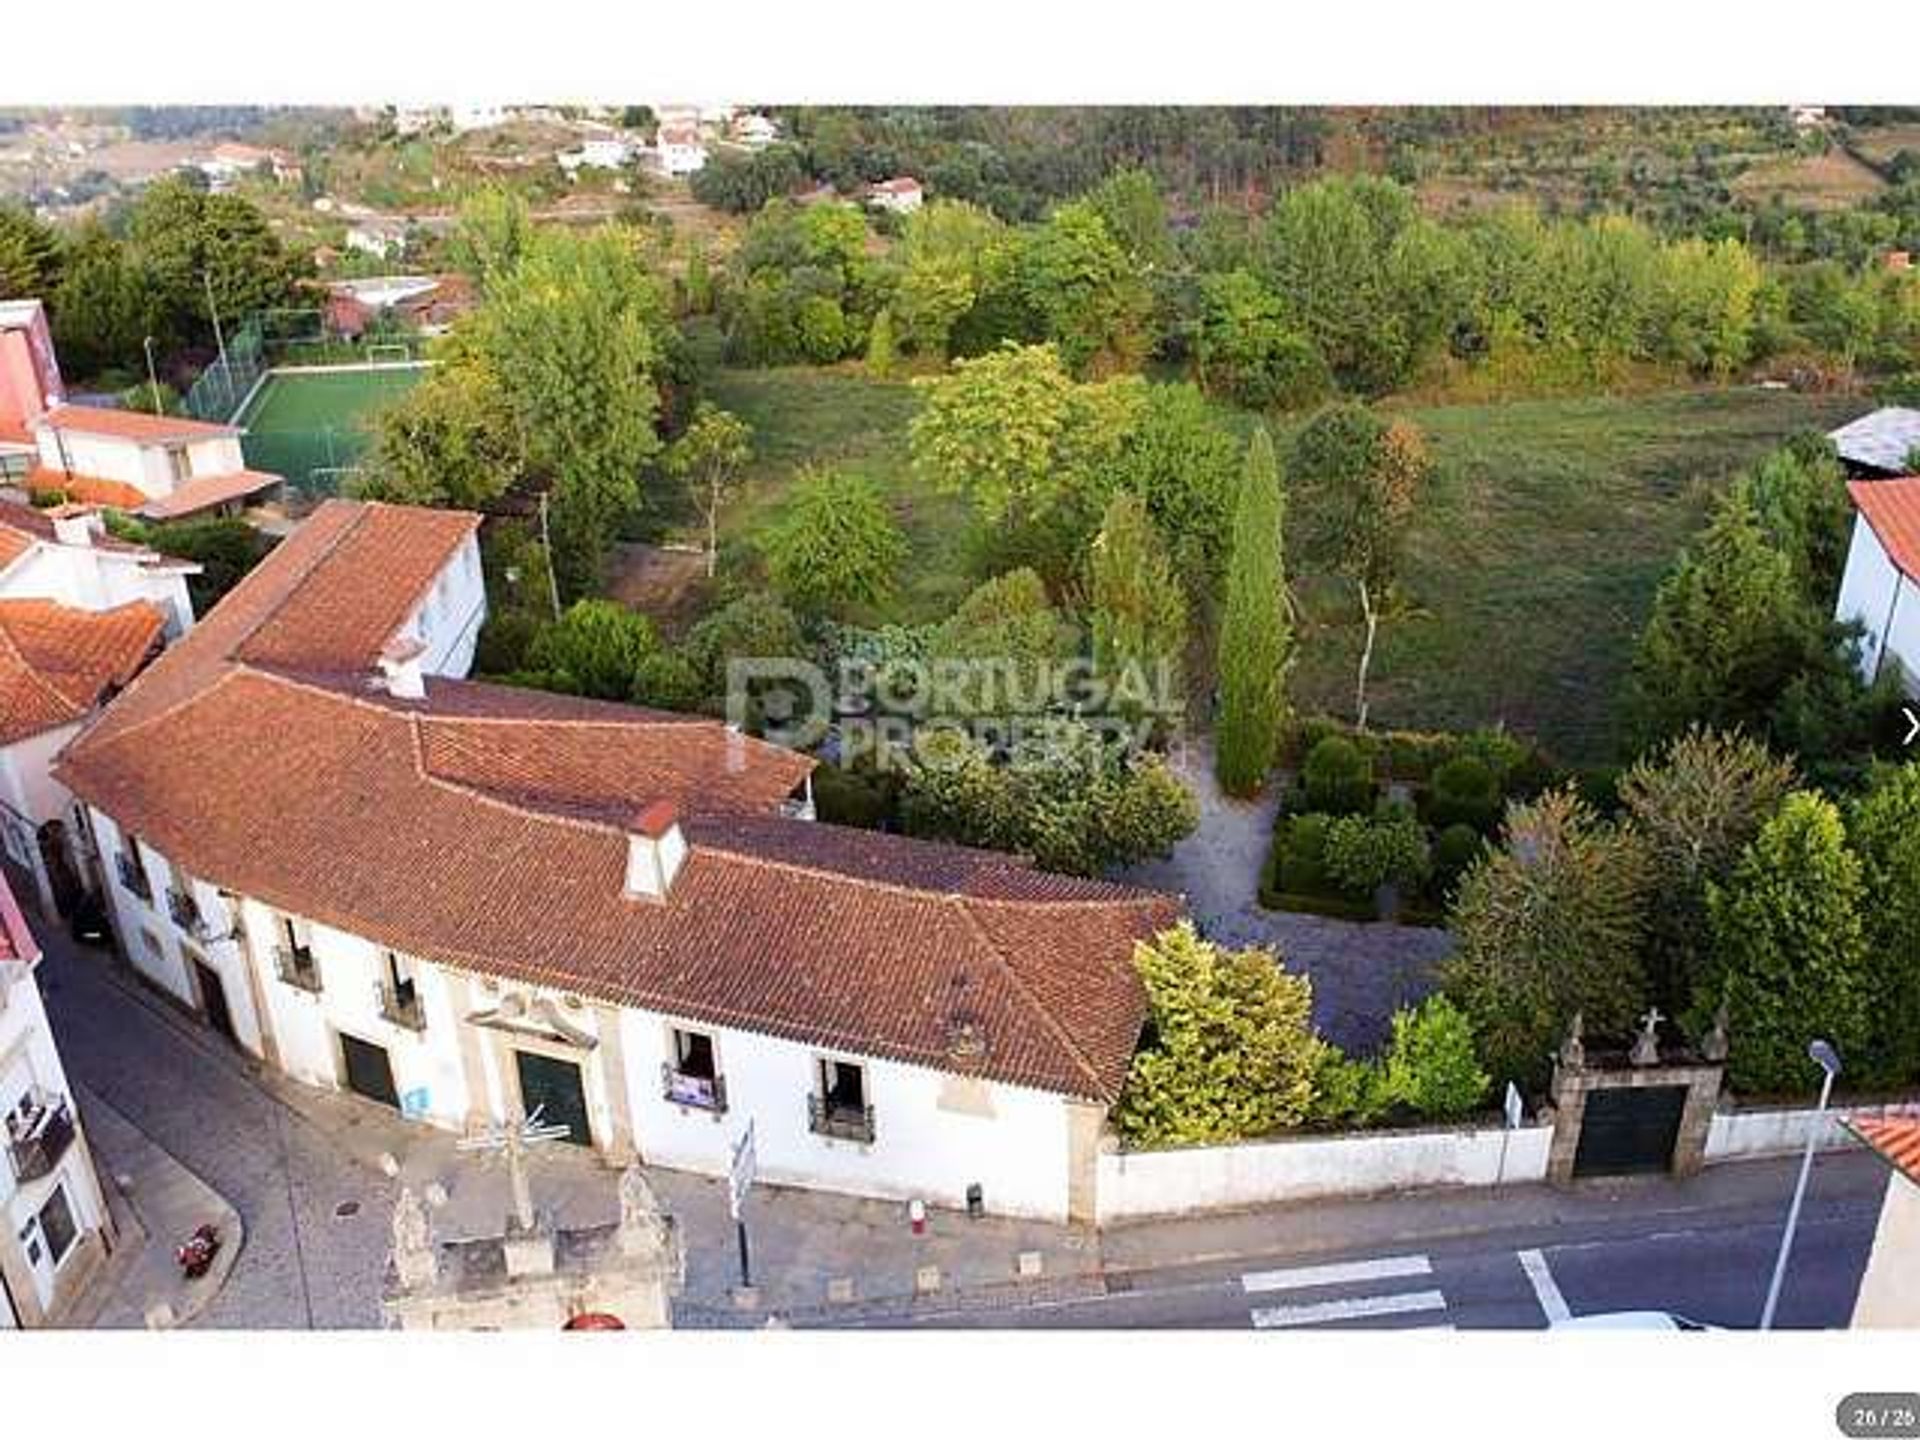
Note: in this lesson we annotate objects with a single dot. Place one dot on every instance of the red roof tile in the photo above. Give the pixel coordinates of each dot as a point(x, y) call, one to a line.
point(135, 425)
point(57, 664)
point(1892, 509)
point(94, 489)
point(1896, 1139)
point(203, 492)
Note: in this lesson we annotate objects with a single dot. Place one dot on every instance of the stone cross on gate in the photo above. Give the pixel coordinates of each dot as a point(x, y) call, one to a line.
point(1646, 1049)
point(511, 1141)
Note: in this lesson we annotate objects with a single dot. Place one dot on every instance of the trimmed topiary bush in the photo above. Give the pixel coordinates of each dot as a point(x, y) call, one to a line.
point(1361, 852)
point(1454, 851)
point(1338, 777)
point(1464, 791)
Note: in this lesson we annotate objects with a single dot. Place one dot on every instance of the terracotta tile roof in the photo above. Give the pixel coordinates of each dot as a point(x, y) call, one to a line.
point(841, 939)
point(93, 489)
point(135, 425)
point(57, 663)
point(487, 828)
point(16, 941)
point(22, 527)
point(203, 492)
point(1892, 508)
point(1897, 1139)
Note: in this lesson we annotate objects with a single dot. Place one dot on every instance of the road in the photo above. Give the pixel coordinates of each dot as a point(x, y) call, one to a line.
point(1710, 1265)
point(316, 1219)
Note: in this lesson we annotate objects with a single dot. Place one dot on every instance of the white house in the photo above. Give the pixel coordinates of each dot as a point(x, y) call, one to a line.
point(54, 1225)
point(606, 152)
point(902, 195)
point(1878, 588)
point(466, 902)
point(679, 150)
point(162, 467)
point(754, 131)
point(1889, 1298)
point(377, 236)
point(79, 615)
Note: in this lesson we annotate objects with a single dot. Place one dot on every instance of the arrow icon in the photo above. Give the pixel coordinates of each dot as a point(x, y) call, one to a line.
point(1913, 724)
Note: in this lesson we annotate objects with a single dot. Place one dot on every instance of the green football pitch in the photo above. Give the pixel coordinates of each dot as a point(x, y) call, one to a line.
point(299, 424)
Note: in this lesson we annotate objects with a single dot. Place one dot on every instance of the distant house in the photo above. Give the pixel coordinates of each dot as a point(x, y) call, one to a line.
point(1807, 117)
point(378, 236)
point(1888, 1298)
point(230, 161)
point(600, 153)
point(1881, 586)
point(902, 195)
point(1898, 261)
point(754, 131)
point(680, 150)
point(1880, 444)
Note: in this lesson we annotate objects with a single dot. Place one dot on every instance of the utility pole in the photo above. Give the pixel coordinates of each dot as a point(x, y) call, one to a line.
point(153, 380)
point(219, 336)
point(546, 540)
point(1828, 1060)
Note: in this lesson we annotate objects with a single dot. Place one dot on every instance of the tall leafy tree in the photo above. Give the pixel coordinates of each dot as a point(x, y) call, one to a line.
point(1093, 298)
point(708, 458)
point(205, 253)
point(29, 255)
point(944, 259)
point(1139, 612)
point(1255, 634)
point(1884, 828)
point(1548, 926)
point(102, 310)
point(1248, 351)
point(837, 547)
point(1789, 946)
point(1363, 478)
point(1697, 804)
point(450, 441)
point(490, 236)
point(1230, 1052)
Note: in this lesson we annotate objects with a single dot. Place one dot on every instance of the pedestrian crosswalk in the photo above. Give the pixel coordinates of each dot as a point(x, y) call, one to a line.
point(1310, 1304)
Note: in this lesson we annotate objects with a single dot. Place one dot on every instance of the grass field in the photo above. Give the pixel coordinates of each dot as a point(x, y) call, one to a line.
point(299, 422)
point(1833, 181)
point(1547, 529)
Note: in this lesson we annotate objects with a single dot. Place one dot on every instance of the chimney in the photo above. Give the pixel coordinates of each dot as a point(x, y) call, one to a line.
point(74, 524)
point(655, 851)
point(400, 664)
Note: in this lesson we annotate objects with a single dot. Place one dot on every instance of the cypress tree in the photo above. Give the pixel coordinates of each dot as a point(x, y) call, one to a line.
point(1255, 639)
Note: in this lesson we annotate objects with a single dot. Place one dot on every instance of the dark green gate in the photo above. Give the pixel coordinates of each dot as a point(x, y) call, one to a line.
point(369, 1071)
point(556, 1090)
point(1629, 1130)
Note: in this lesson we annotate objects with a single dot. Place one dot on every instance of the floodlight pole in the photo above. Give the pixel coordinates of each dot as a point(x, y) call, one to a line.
point(219, 336)
point(546, 540)
point(153, 380)
point(1825, 1057)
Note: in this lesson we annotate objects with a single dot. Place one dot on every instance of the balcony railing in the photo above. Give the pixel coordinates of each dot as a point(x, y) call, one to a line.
point(840, 1122)
point(133, 876)
point(401, 1006)
point(296, 967)
point(703, 1092)
point(185, 911)
point(37, 1140)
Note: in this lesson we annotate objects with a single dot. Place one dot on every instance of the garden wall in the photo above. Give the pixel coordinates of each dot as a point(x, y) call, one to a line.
point(1747, 1134)
point(1137, 1184)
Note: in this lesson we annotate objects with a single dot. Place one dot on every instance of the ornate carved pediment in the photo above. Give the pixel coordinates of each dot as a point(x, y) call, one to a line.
point(533, 1017)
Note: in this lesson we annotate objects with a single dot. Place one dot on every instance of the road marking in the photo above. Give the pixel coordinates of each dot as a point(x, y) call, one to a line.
point(1320, 1312)
point(1393, 1267)
point(1552, 1303)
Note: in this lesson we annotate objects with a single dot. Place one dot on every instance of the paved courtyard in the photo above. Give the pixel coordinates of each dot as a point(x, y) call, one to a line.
point(1361, 973)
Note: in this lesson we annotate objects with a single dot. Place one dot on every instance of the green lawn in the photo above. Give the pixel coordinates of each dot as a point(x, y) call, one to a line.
point(299, 422)
point(1548, 526)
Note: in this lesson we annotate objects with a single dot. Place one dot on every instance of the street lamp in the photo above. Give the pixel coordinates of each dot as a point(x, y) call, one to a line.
point(1828, 1059)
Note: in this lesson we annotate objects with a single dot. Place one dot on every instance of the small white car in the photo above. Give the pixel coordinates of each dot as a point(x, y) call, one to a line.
point(1631, 1320)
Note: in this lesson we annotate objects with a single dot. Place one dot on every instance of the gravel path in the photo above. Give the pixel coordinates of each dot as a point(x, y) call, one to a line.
point(1361, 973)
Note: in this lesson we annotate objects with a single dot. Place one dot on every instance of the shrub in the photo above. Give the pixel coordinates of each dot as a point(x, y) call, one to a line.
point(1339, 778)
point(849, 797)
point(1430, 1066)
point(1365, 852)
point(1465, 791)
point(504, 641)
point(1303, 856)
point(1454, 851)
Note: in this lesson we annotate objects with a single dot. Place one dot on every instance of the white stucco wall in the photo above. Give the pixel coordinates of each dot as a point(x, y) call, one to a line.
point(1137, 1184)
point(147, 467)
point(1884, 602)
point(449, 617)
point(26, 787)
point(84, 578)
point(1748, 1134)
point(1889, 1296)
point(29, 1060)
point(934, 1134)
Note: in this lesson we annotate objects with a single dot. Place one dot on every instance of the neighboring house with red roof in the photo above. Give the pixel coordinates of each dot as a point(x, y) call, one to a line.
point(80, 613)
point(54, 1224)
point(1890, 1289)
point(468, 901)
point(902, 195)
point(1880, 588)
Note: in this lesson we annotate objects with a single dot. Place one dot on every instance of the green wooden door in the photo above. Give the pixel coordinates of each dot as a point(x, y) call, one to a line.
point(555, 1089)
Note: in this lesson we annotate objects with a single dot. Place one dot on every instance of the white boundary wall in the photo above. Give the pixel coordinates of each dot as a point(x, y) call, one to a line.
point(1137, 1184)
point(1748, 1134)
